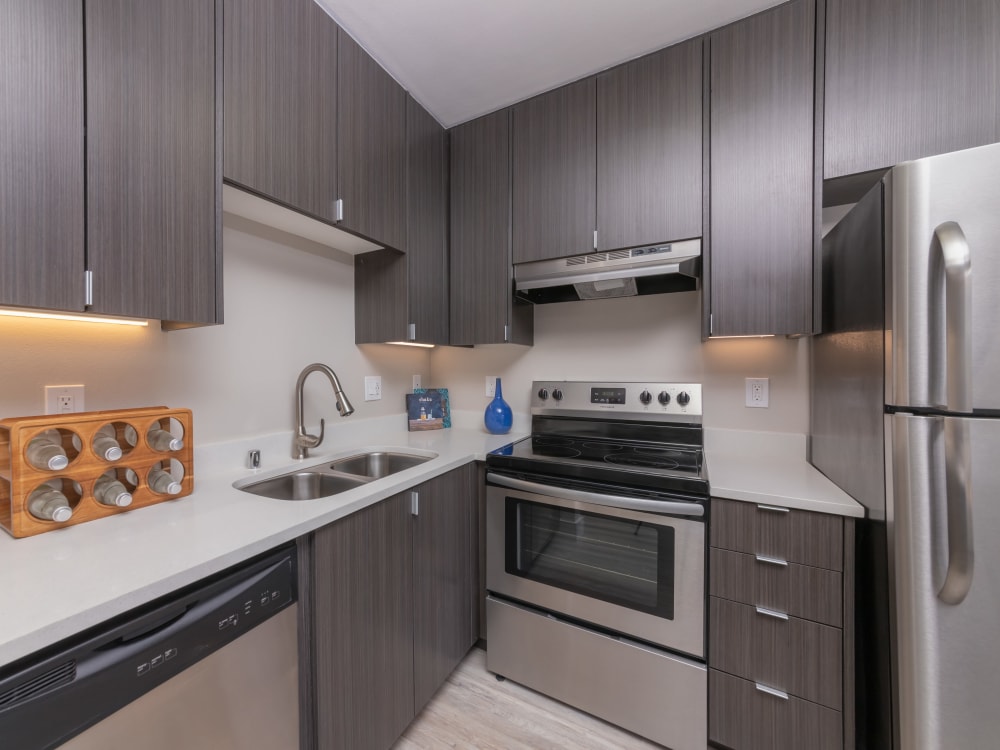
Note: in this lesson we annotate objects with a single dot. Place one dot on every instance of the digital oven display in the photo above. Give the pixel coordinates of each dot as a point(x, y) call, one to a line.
point(607, 395)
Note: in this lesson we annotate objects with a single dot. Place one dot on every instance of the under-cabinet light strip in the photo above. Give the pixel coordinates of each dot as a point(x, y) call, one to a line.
point(75, 318)
point(410, 343)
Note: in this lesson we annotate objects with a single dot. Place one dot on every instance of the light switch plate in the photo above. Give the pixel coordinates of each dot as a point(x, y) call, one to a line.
point(757, 392)
point(373, 387)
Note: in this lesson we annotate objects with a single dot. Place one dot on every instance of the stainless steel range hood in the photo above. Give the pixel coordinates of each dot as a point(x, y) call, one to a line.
point(655, 269)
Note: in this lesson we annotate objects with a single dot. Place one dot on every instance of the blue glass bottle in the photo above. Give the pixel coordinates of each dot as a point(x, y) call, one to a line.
point(498, 417)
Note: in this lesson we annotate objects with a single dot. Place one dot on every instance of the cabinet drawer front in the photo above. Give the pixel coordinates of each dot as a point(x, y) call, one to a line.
point(797, 536)
point(744, 718)
point(801, 658)
point(797, 590)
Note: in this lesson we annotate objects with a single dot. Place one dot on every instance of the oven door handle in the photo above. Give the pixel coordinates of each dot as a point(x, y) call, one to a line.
point(599, 498)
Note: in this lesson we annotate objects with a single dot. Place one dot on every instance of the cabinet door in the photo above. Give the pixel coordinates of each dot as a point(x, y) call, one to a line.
point(153, 178)
point(762, 173)
point(907, 79)
point(41, 154)
point(363, 627)
point(281, 102)
point(371, 147)
point(555, 173)
point(481, 290)
point(427, 225)
point(444, 566)
point(649, 149)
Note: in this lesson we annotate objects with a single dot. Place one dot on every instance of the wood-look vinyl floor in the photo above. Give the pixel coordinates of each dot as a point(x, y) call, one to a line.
point(475, 711)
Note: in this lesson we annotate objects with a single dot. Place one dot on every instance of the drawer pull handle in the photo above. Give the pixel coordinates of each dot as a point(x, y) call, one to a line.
point(771, 691)
point(771, 613)
point(771, 560)
point(773, 508)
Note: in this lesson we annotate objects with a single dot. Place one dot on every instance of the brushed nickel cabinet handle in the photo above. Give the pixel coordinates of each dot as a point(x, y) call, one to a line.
point(771, 691)
point(771, 560)
point(771, 613)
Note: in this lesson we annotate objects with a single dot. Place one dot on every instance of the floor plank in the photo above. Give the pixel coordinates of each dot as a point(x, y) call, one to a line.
point(475, 711)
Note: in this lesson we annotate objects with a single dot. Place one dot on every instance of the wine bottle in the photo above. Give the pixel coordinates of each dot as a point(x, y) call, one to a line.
point(109, 491)
point(106, 444)
point(161, 440)
point(49, 504)
point(45, 451)
point(161, 481)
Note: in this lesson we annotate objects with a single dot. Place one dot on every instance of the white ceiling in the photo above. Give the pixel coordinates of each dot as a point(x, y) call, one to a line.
point(464, 58)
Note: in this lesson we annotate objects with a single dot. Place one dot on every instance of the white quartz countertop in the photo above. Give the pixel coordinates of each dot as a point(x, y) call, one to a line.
point(770, 468)
point(62, 582)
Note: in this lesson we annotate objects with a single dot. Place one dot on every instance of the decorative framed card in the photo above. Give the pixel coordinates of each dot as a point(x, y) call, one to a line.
point(426, 409)
point(445, 403)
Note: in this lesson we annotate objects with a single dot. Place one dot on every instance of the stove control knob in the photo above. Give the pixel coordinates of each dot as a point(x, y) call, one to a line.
point(645, 397)
point(543, 393)
point(557, 394)
point(683, 398)
point(663, 398)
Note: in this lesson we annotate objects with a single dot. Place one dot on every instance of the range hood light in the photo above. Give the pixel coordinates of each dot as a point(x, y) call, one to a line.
point(74, 318)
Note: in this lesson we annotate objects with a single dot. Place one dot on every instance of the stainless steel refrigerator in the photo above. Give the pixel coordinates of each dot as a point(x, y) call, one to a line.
point(906, 418)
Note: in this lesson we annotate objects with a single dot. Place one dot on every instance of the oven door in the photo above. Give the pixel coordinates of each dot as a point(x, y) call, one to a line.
point(634, 572)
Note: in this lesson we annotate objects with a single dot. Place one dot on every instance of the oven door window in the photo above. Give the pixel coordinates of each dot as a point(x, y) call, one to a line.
point(621, 561)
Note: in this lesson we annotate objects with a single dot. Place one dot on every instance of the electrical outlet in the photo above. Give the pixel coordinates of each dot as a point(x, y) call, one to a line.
point(416, 382)
point(373, 387)
point(64, 399)
point(757, 392)
point(491, 386)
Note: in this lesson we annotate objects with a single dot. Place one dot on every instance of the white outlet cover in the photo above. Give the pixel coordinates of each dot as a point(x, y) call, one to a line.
point(757, 393)
point(55, 395)
point(373, 387)
point(491, 385)
point(416, 382)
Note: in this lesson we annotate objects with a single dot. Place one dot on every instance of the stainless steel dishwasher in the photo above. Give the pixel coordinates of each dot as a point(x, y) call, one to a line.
point(214, 666)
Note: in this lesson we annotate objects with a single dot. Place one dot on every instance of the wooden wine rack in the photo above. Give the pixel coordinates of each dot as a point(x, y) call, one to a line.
point(18, 478)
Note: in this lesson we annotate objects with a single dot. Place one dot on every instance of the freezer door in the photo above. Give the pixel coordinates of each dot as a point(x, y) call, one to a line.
point(945, 577)
point(943, 274)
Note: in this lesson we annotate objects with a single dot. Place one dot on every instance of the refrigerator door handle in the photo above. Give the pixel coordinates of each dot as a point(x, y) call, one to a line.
point(957, 269)
point(961, 558)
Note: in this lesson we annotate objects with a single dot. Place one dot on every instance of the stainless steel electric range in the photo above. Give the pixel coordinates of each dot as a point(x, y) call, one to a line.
point(596, 554)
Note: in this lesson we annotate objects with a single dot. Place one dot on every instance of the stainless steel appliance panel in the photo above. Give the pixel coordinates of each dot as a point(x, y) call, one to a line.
point(948, 664)
point(664, 697)
point(684, 632)
point(944, 231)
point(243, 697)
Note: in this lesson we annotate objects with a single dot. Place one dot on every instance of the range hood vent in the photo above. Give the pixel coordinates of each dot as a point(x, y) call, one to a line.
point(653, 269)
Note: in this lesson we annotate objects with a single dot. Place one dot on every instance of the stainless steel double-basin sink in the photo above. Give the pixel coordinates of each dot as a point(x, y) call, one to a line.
point(333, 476)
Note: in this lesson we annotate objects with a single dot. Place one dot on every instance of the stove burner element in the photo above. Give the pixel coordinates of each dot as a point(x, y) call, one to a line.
point(604, 446)
point(637, 459)
point(550, 440)
point(554, 451)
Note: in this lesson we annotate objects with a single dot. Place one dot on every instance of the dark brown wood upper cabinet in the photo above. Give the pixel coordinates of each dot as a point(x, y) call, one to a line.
point(649, 149)
point(404, 297)
point(481, 294)
point(907, 79)
point(281, 102)
point(153, 169)
point(555, 173)
point(764, 184)
point(41, 154)
point(371, 147)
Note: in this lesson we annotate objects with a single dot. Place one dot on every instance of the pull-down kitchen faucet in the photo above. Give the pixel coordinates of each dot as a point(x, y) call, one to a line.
point(303, 441)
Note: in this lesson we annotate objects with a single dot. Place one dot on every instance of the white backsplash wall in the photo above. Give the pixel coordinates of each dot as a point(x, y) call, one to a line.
point(288, 302)
point(656, 337)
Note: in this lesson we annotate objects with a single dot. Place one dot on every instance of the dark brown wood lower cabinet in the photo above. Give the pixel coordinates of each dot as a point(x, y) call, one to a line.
point(363, 628)
point(390, 593)
point(744, 718)
point(444, 566)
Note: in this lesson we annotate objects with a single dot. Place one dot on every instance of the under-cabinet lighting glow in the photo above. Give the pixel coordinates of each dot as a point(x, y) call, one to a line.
point(747, 336)
point(410, 343)
point(75, 318)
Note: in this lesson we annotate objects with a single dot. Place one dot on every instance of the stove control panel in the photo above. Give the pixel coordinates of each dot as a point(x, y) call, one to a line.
point(644, 401)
